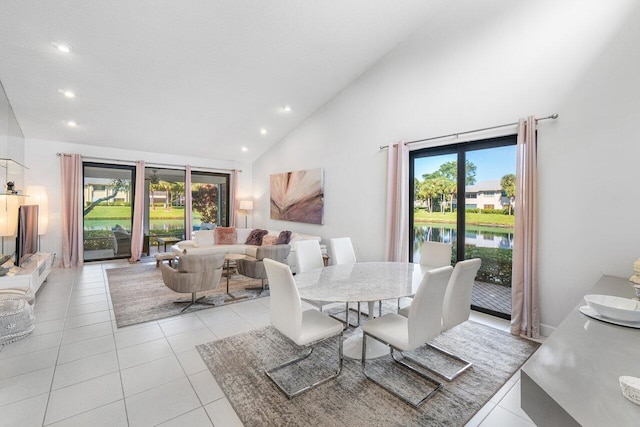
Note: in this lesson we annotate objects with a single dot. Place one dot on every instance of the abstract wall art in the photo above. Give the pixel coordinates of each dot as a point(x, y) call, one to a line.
point(298, 196)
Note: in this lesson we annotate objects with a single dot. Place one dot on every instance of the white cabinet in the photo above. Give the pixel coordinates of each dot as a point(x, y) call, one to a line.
point(32, 274)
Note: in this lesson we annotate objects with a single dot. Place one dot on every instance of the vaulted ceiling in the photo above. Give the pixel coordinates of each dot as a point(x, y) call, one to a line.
point(203, 78)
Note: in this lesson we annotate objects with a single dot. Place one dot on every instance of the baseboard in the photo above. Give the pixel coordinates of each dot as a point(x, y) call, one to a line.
point(546, 330)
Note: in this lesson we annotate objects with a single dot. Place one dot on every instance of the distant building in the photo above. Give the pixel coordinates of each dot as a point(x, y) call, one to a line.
point(486, 195)
point(97, 188)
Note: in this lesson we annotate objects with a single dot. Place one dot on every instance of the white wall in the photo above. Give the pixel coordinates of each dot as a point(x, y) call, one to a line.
point(479, 64)
point(44, 169)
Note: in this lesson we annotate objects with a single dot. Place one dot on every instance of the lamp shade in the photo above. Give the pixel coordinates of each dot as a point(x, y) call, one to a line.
point(8, 215)
point(38, 196)
point(246, 205)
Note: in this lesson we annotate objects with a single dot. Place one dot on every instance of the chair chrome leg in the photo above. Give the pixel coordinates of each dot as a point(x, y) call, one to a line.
point(291, 395)
point(193, 301)
point(451, 355)
point(438, 385)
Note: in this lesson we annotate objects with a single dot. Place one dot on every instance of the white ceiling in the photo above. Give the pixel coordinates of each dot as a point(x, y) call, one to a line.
point(197, 78)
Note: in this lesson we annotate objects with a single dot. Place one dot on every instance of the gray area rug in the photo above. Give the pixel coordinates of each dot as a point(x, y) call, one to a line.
point(238, 364)
point(139, 294)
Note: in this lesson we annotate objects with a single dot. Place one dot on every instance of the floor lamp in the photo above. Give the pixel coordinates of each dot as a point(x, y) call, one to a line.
point(246, 206)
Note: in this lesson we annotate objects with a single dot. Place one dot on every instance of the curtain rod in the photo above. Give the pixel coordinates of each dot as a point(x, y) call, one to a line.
point(552, 116)
point(132, 162)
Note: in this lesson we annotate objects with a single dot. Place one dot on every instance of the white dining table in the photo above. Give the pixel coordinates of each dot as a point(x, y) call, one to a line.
point(361, 282)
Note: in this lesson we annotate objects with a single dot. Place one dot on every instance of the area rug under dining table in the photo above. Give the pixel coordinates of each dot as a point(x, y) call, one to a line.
point(238, 364)
point(139, 295)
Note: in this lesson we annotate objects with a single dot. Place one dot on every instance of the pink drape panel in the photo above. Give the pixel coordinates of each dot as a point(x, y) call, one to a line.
point(233, 198)
point(524, 306)
point(397, 229)
point(188, 209)
point(72, 240)
point(137, 228)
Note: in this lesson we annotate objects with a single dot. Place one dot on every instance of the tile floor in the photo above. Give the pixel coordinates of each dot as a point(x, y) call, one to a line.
point(78, 369)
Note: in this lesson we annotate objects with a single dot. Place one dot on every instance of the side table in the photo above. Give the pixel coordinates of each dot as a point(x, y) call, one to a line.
point(165, 240)
point(227, 260)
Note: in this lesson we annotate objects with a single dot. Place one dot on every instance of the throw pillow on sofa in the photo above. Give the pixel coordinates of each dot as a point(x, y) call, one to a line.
point(225, 235)
point(255, 237)
point(269, 240)
point(204, 238)
point(283, 238)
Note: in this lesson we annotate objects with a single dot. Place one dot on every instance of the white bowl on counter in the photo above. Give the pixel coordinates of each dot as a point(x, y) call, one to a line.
point(616, 308)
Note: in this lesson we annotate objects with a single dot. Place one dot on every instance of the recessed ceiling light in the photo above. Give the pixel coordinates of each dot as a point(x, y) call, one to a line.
point(263, 131)
point(62, 47)
point(286, 108)
point(244, 149)
point(67, 93)
point(71, 123)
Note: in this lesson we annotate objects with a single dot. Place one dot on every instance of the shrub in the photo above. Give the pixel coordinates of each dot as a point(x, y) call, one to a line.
point(496, 264)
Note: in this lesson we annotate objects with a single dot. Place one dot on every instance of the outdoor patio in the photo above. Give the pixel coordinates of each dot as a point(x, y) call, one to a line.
point(493, 297)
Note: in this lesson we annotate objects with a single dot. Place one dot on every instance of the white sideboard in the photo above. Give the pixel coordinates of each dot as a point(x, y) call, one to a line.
point(33, 273)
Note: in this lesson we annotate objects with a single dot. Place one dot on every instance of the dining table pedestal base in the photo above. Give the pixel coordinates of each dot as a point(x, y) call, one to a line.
point(352, 348)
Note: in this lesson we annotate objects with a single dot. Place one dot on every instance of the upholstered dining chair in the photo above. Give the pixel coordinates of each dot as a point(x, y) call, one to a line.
point(456, 307)
point(304, 328)
point(408, 333)
point(343, 253)
point(309, 257)
point(433, 255)
point(194, 273)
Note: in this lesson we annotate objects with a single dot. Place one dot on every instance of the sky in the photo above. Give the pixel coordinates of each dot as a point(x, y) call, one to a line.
point(491, 163)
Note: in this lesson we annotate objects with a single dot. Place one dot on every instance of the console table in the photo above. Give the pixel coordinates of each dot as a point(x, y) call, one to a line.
point(572, 379)
point(32, 274)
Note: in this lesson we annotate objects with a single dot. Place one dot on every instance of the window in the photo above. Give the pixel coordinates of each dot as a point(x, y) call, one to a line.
point(210, 199)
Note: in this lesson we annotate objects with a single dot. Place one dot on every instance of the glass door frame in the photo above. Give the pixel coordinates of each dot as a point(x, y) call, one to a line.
point(132, 189)
point(460, 149)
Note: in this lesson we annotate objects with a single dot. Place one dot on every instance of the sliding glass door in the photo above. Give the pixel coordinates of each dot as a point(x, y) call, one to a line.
point(107, 210)
point(463, 194)
point(165, 207)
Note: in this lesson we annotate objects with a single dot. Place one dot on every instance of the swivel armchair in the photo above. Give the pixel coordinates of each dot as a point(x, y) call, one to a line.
point(194, 273)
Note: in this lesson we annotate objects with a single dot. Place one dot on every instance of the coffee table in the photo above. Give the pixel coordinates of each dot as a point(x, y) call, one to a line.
point(227, 262)
point(361, 282)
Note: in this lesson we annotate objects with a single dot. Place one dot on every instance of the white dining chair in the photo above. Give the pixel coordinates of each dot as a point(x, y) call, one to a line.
point(433, 255)
point(408, 333)
point(343, 253)
point(456, 307)
point(305, 328)
point(309, 257)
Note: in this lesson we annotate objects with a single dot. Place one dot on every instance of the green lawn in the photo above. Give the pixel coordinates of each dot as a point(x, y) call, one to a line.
point(124, 212)
point(472, 218)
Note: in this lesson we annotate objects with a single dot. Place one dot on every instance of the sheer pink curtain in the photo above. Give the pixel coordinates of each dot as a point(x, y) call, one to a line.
point(72, 239)
point(137, 229)
point(188, 209)
point(233, 198)
point(397, 230)
point(524, 306)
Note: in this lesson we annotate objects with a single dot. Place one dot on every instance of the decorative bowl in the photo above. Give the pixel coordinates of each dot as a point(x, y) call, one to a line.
point(616, 308)
point(631, 388)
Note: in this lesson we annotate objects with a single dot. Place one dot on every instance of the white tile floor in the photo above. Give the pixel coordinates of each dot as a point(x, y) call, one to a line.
point(77, 368)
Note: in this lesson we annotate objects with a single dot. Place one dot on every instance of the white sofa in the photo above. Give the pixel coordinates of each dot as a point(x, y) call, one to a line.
point(204, 242)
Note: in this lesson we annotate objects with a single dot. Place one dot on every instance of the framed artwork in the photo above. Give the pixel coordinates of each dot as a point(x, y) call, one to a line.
point(298, 196)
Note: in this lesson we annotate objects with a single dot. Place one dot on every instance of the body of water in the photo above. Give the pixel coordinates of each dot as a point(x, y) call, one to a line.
point(480, 237)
